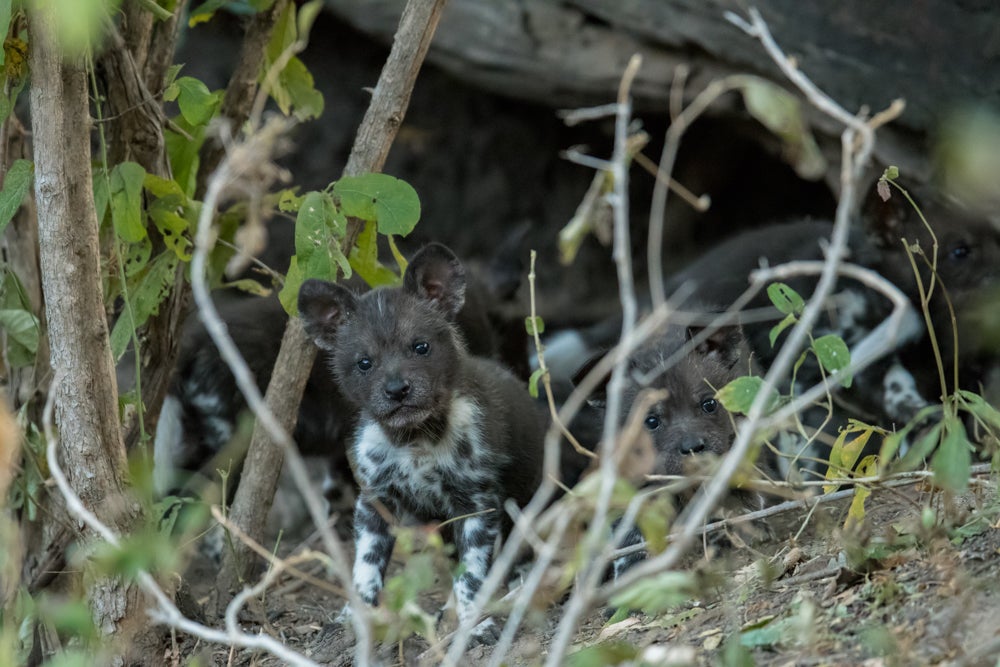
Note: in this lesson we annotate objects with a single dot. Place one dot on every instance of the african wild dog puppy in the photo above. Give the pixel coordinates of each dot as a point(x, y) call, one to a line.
point(200, 412)
point(688, 420)
point(440, 434)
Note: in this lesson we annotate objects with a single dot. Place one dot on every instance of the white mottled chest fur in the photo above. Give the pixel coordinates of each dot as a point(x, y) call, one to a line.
point(428, 479)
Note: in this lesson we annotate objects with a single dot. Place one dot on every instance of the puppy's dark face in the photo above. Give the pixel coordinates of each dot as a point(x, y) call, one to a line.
point(395, 352)
point(687, 420)
point(968, 252)
point(396, 358)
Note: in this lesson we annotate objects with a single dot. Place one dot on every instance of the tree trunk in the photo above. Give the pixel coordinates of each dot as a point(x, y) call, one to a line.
point(86, 397)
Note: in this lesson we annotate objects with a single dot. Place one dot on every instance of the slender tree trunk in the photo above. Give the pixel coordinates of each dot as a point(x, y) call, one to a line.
point(86, 397)
point(255, 493)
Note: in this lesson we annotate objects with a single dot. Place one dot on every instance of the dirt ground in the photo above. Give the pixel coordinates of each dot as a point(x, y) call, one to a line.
point(899, 590)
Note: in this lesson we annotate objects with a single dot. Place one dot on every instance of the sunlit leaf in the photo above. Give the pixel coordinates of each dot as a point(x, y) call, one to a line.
point(844, 454)
point(364, 259)
point(856, 512)
point(534, 325)
point(785, 299)
point(833, 354)
point(536, 375)
point(738, 395)
point(392, 203)
point(776, 330)
point(289, 294)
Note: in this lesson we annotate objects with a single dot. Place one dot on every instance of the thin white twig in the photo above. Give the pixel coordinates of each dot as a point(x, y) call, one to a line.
point(594, 548)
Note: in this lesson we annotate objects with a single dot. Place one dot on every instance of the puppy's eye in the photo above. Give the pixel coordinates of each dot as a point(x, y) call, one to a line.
point(652, 422)
point(421, 348)
point(709, 405)
point(365, 364)
point(960, 251)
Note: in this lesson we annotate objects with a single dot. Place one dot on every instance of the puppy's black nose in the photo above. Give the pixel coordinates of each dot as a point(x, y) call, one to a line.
point(692, 445)
point(397, 389)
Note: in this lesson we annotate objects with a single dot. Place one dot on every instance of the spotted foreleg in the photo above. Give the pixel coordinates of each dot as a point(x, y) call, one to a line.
point(373, 544)
point(475, 539)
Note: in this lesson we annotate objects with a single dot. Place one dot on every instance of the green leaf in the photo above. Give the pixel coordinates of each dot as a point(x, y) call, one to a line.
point(739, 395)
point(391, 203)
point(172, 227)
point(5, 11)
point(204, 12)
point(401, 262)
point(776, 330)
point(653, 521)
point(300, 92)
point(288, 201)
point(16, 184)
point(101, 194)
point(534, 325)
point(845, 454)
point(307, 16)
point(603, 654)
point(785, 299)
point(250, 286)
point(135, 256)
point(146, 551)
point(289, 294)
point(952, 462)
point(145, 296)
point(781, 113)
point(197, 103)
point(71, 617)
point(183, 153)
point(536, 375)
point(856, 512)
point(832, 352)
point(163, 187)
point(364, 259)
point(980, 408)
point(22, 329)
point(126, 201)
point(658, 593)
point(317, 238)
point(921, 449)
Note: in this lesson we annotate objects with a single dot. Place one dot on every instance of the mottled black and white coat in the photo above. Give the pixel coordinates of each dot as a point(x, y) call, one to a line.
point(441, 434)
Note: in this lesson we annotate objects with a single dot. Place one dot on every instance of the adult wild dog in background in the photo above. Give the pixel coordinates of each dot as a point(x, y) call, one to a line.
point(441, 434)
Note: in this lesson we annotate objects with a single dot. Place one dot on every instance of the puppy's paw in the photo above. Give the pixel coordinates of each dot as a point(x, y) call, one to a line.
point(487, 633)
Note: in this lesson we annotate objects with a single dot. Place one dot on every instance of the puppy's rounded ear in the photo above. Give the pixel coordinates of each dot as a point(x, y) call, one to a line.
point(599, 397)
point(323, 307)
point(727, 344)
point(435, 274)
point(884, 213)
